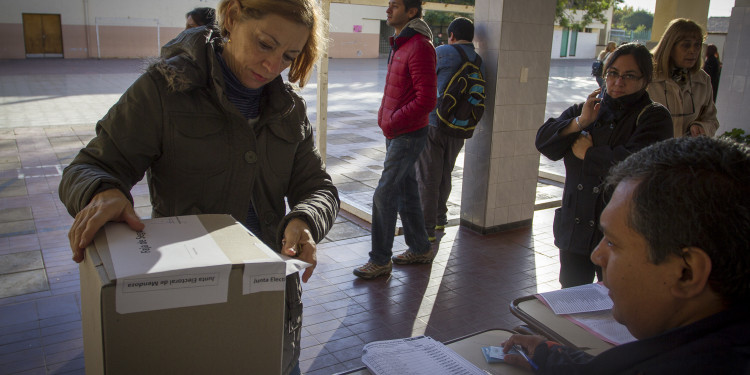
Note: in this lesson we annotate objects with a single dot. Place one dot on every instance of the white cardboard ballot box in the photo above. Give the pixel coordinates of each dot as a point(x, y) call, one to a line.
point(159, 333)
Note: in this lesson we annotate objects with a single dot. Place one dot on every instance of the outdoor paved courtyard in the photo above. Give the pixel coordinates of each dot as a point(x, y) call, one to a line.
point(47, 113)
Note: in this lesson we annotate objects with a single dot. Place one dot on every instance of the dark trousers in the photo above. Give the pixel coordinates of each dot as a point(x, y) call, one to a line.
point(577, 269)
point(434, 168)
point(397, 195)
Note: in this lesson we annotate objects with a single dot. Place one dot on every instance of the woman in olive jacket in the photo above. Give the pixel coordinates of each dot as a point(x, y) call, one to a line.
point(218, 132)
point(592, 137)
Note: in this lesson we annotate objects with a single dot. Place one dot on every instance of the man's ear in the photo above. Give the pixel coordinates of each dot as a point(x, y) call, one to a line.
point(412, 12)
point(696, 268)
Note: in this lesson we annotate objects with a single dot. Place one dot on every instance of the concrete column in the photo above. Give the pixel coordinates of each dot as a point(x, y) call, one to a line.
point(733, 98)
point(500, 162)
point(321, 119)
point(667, 10)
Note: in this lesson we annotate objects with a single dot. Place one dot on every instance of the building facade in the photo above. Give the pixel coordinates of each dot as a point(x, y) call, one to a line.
point(138, 28)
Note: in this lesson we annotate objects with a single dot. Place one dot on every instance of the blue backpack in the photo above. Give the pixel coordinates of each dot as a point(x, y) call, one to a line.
point(461, 105)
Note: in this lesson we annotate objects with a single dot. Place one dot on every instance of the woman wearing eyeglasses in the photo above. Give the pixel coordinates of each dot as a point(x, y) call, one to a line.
point(591, 137)
point(680, 84)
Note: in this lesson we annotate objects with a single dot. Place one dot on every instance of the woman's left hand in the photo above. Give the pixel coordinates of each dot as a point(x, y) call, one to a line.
point(696, 130)
point(582, 144)
point(298, 242)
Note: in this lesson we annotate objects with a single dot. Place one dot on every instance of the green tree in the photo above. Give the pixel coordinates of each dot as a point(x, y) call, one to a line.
point(593, 10)
point(621, 13)
point(437, 18)
point(638, 18)
point(459, 2)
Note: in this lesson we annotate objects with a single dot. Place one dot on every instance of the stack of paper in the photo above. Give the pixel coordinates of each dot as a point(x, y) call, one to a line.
point(590, 307)
point(415, 355)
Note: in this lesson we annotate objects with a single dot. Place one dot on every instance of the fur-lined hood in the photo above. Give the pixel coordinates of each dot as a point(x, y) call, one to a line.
point(184, 59)
point(421, 27)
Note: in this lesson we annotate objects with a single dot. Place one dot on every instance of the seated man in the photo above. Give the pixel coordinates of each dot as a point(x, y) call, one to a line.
point(676, 260)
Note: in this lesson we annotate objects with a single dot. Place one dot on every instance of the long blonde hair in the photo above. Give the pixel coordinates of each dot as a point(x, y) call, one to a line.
point(678, 29)
point(305, 12)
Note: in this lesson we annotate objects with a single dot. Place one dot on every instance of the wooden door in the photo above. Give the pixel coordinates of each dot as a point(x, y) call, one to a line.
point(42, 35)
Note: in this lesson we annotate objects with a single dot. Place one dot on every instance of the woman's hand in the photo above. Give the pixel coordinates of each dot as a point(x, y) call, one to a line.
point(582, 144)
point(528, 343)
point(588, 114)
point(590, 109)
point(298, 242)
point(109, 205)
point(696, 130)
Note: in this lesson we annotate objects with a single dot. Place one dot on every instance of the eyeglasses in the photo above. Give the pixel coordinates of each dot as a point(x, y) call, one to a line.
point(692, 104)
point(625, 77)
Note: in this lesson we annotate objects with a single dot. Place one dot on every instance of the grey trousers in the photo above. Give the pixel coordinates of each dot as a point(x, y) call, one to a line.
point(434, 168)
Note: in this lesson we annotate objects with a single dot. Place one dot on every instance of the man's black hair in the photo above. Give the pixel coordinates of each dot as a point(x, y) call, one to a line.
point(203, 16)
point(694, 192)
point(408, 4)
point(462, 29)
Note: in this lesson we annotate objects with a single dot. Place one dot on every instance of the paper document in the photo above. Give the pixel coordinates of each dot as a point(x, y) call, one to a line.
point(263, 276)
point(414, 356)
point(583, 298)
point(172, 262)
point(602, 325)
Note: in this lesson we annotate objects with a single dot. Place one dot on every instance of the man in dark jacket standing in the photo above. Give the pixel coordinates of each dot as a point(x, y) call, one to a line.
point(410, 87)
point(675, 260)
point(436, 162)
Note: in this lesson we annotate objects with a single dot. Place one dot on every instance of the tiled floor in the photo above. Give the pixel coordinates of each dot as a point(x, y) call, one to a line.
point(467, 288)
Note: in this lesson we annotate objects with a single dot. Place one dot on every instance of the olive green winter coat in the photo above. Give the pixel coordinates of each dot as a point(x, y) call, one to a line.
point(202, 156)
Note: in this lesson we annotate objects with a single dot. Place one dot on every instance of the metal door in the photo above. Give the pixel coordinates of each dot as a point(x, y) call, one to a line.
point(42, 34)
point(385, 31)
point(573, 43)
point(564, 42)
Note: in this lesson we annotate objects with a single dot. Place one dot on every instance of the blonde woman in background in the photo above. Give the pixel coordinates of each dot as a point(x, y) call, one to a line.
point(603, 56)
point(680, 84)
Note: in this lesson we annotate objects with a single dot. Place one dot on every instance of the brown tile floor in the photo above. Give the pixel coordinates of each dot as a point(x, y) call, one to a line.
point(467, 288)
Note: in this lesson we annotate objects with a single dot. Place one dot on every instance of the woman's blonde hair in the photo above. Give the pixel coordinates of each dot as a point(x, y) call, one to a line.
point(678, 30)
point(611, 46)
point(305, 12)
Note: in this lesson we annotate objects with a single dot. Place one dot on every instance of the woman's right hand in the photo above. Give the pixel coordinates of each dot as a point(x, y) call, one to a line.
point(108, 205)
point(590, 109)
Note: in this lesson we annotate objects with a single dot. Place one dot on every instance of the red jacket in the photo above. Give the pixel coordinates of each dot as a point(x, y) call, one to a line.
point(410, 85)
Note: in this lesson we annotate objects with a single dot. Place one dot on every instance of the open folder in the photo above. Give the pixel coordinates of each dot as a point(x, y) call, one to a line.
point(415, 355)
point(589, 307)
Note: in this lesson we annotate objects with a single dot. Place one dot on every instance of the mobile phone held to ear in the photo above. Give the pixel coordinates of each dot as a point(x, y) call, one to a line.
point(601, 93)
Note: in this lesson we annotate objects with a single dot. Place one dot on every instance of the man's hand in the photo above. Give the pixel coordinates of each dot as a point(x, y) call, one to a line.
point(528, 343)
point(109, 205)
point(581, 145)
point(298, 242)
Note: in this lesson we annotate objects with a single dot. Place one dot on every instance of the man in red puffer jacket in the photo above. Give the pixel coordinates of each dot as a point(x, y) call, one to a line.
point(410, 87)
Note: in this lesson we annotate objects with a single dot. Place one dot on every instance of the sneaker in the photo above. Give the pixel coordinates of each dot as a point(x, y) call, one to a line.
point(371, 270)
point(409, 257)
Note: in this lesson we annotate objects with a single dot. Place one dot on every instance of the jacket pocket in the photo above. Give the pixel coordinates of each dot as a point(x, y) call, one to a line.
point(280, 158)
point(200, 143)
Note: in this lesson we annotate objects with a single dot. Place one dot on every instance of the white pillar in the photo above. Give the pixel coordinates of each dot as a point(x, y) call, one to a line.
point(733, 98)
point(321, 120)
point(501, 162)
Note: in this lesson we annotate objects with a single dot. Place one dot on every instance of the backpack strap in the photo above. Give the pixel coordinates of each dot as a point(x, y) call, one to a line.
point(647, 106)
point(477, 61)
